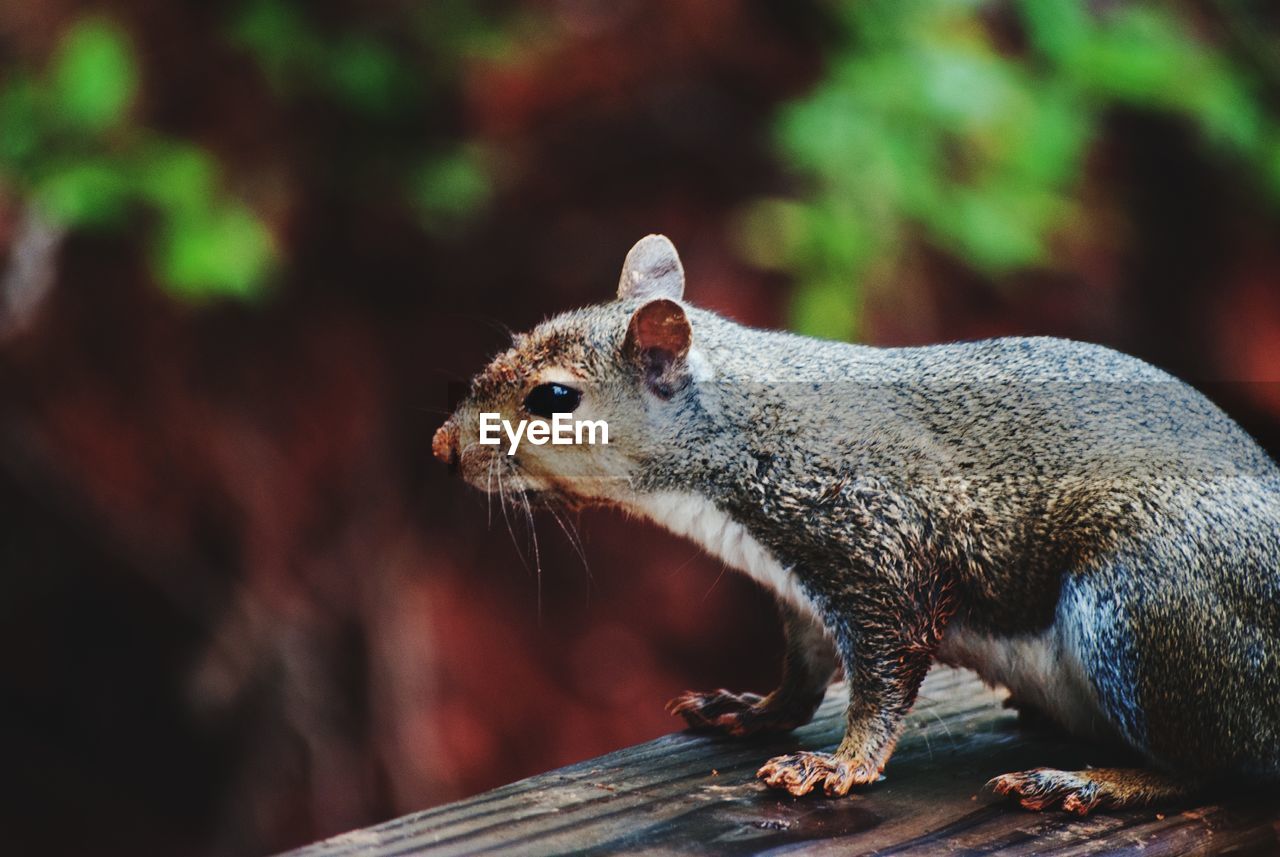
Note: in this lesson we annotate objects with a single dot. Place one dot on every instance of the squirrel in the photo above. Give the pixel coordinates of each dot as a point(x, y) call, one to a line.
point(1065, 520)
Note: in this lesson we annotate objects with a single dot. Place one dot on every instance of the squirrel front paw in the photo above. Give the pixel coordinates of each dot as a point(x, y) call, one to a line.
point(736, 714)
point(801, 773)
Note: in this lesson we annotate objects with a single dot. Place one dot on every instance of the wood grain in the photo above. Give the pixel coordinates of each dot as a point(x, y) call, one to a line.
point(686, 793)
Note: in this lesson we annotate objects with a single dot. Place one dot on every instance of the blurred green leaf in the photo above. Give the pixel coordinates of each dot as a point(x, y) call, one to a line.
point(279, 38)
point(179, 178)
point(453, 30)
point(451, 187)
point(1229, 115)
point(226, 251)
point(929, 127)
point(1272, 165)
point(995, 230)
point(771, 233)
point(87, 193)
point(1046, 147)
point(823, 309)
point(66, 140)
point(356, 70)
point(965, 89)
point(365, 74)
point(1059, 29)
point(93, 77)
point(19, 126)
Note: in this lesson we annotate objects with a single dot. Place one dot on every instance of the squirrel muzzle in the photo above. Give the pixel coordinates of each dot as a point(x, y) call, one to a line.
point(445, 443)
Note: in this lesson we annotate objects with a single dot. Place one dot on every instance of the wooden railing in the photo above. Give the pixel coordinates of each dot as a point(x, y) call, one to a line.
point(687, 793)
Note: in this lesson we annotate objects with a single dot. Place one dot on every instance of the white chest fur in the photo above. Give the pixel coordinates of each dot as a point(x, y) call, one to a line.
point(699, 520)
point(1039, 669)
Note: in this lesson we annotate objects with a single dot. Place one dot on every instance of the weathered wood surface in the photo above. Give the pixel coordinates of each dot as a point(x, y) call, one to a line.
point(687, 793)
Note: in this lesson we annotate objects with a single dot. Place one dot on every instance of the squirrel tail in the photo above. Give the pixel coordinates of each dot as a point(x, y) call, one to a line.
point(1082, 792)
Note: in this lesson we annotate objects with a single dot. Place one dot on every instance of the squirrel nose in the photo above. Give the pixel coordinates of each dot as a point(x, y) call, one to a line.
point(445, 443)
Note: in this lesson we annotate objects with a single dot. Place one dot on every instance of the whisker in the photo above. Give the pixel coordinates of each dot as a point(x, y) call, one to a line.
point(575, 540)
point(723, 568)
point(502, 504)
point(533, 539)
point(682, 566)
point(945, 728)
point(488, 321)
point(488, 490)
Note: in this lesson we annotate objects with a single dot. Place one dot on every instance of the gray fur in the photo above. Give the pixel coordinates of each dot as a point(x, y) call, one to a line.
point(652, 270)
point(1005, 490)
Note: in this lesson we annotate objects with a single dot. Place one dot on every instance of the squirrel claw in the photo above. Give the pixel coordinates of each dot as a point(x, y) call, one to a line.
point(800, 773)
point(736, 714)
point(1084, 791)
point(1043, 788)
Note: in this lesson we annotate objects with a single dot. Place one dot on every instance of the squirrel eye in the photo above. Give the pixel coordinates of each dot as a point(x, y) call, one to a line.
point(547, 399)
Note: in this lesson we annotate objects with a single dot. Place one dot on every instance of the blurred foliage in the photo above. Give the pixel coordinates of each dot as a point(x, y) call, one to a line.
point(71, 146)
point(963, 124)
point(930, 124)
point(398, 75)
point(75, 145)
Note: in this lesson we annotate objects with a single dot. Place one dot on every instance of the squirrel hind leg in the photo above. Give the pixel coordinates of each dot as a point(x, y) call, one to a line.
point(741, 714)
point(807, 668)
point(1082, 792)
point(1032, 716)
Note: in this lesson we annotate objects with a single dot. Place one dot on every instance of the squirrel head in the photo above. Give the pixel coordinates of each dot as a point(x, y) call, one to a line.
point(630, 363)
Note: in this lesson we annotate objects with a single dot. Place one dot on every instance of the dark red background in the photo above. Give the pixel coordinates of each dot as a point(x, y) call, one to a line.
point(243, 608)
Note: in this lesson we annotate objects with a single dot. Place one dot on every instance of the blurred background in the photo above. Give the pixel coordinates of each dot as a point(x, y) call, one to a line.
point(246, 248)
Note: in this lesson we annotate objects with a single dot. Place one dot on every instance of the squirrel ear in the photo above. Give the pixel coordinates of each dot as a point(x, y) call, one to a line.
point(652, 270)
point(658, 339)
